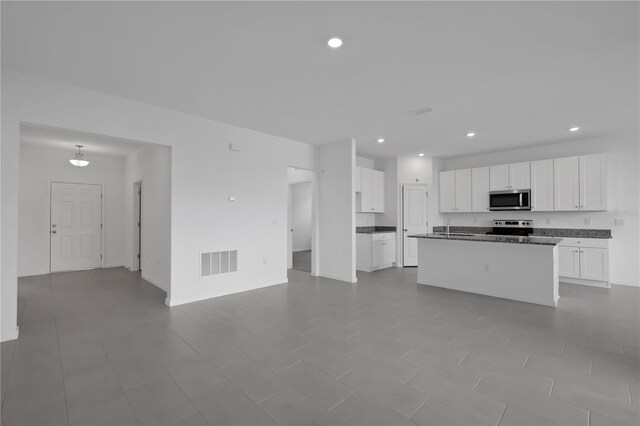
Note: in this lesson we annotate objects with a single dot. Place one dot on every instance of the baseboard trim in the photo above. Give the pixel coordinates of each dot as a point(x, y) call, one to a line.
point(169, 301)
point(376, 268)
point(12, 336)
point(498, 294)
point(626, 283)
point(337, 278)
point(589, 283)
point(152, 281)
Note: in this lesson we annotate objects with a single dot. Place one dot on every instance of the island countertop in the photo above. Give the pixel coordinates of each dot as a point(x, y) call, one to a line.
point(546, 241)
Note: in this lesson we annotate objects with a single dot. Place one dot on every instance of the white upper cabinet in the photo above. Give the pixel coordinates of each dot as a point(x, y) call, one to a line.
point(357, 179)
point(560, 184)
point(580, 183)
point(377, 186)
point(447, 191)
point(566, 182)
point(480, 189)
point(370, 198)
point(499, 177)
point(593, 182)
point(463, 190)
point(542, 185)
point(455, 191)
point(509, 176)
point(519, 176)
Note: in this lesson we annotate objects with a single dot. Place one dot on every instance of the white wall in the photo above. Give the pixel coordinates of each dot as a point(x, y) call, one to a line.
point(336, 210)
point(39, 166)
point(301, 213)
point(623, 193)
point(152, 166)
point(204, 173)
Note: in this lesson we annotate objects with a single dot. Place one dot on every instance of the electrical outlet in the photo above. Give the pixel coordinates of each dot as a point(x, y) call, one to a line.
point(548, 221)
point(619, 222)
point(587, 221)
point(486, 267)
point(264, 260)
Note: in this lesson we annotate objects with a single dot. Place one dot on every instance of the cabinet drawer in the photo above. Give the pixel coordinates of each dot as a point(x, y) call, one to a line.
point(585, 242)
point(383, 236)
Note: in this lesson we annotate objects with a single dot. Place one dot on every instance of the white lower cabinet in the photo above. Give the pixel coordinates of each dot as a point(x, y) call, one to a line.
point(375, 251)
point(584, 261)
point(593, 264)
point(569, 261)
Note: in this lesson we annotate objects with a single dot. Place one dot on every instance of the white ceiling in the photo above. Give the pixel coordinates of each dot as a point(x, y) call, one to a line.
point(50, 137)
point(517, 73)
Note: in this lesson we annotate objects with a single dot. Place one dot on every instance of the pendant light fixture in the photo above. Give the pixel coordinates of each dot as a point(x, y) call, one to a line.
point(79, 161)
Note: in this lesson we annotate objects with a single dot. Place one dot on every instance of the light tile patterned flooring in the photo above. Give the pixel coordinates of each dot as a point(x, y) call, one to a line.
point(100, 347)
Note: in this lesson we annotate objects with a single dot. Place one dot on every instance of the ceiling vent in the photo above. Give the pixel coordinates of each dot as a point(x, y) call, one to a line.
point(423, 110)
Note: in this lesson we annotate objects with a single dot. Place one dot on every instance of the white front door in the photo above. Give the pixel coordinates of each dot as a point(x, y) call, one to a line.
point(76, 217)
point(414, 221)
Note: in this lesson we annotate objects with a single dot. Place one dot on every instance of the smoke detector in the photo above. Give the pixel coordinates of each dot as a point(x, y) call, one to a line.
point(424, 110)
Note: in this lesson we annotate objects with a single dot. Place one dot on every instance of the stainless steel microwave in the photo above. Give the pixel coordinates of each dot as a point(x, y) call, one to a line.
point(513, 199)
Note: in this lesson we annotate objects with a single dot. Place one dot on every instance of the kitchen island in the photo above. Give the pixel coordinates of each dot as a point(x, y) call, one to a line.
point(511, 267)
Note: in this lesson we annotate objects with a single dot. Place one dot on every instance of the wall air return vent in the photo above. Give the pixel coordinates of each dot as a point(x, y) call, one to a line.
point(219, 262)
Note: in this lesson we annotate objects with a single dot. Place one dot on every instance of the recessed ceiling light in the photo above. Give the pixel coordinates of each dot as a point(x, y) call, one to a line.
point(574, 129)
point(471, 134)
point(334, 42)
point(380, 140)
point(421, 154)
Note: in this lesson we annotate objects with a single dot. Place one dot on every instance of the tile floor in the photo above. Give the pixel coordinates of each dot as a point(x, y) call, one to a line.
point(302, 260)
point(100, 347)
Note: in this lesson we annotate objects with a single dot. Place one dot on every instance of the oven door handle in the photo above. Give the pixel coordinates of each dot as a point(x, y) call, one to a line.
point(521, 200)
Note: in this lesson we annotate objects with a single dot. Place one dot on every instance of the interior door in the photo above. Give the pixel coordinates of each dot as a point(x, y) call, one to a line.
point(75, 228)
point(289, 231)
point(414, 221)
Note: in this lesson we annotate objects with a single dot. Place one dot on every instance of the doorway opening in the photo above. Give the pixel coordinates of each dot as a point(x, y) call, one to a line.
point(300, 220)
point(137, 227)
point(415, 220)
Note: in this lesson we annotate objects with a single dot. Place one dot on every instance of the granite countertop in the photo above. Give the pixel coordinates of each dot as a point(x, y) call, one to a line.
point(537, 232)
point(545, 241)
point(374, 229)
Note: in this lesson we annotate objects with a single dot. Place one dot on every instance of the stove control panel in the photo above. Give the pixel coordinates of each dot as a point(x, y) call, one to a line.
point(513, 223)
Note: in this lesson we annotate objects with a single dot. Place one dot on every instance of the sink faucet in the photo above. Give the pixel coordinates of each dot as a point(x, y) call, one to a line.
point(448, 225)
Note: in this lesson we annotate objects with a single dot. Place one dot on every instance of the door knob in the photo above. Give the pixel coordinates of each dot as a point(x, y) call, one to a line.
point(53, 232)
point(54, 225)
